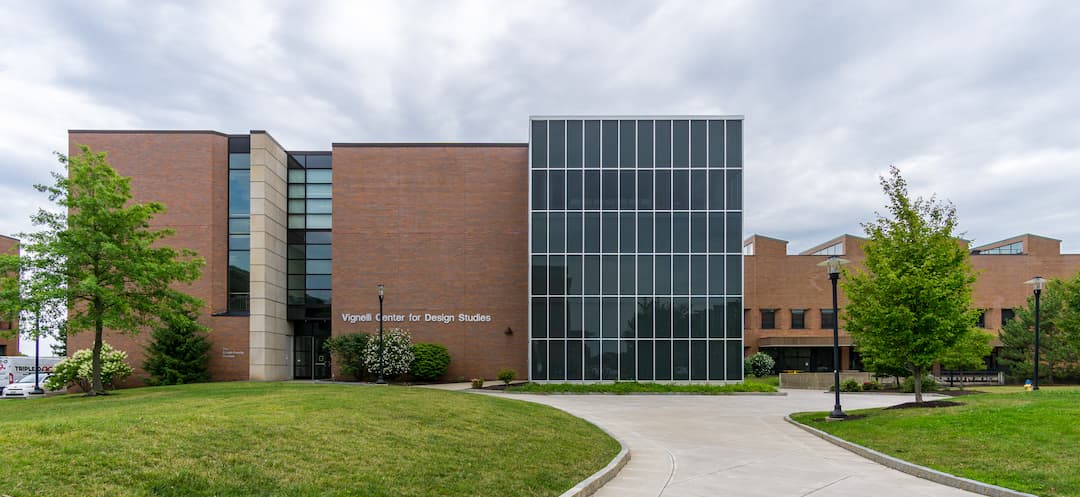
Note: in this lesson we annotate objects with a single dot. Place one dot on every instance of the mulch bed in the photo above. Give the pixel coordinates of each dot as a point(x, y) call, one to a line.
point(926, 404)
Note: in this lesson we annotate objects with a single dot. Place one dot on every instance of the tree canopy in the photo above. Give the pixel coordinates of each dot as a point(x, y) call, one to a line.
point(1059, 334)
point(913, 301)
point(99, 256)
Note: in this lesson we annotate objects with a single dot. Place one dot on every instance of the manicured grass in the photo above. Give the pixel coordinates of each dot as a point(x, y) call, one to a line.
point(631, 387)
point(773, 380)
point(278, 439)
point(1026, 441)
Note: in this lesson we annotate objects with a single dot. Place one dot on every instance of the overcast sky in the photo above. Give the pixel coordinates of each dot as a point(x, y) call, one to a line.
point(978, 102)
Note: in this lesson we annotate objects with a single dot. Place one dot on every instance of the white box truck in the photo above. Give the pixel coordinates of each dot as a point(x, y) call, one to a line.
point(14, 368)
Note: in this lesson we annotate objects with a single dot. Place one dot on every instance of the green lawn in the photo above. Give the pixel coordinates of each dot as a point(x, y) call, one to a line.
point(1026, 441)
point(630, 387)
point(278, 439)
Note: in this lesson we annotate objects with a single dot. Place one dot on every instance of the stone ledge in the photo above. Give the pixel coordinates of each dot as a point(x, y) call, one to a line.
point(598, 479)
point(913, 469)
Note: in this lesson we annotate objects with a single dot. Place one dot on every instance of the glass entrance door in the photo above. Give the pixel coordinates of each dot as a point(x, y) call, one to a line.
point(311, 358)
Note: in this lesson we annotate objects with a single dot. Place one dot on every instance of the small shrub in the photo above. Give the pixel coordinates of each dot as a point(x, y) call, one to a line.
point(507, 375)
point(760, 364)
point(178, 353)
point(78, 369)
point(871, 386)
point(348, 350)
point(430, 361)
point(928, 385)
point(478, 383)
point(397, 353)
point(851, 385)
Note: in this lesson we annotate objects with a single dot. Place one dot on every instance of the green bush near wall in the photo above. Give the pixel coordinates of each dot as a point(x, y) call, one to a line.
point(430, 361)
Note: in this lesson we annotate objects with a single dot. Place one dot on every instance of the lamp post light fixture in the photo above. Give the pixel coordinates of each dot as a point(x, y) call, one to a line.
point(832, 264)
point(381, 380)
point(1037, 283)
point(37, 350)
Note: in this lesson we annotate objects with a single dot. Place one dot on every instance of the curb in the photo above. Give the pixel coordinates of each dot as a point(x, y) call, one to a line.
point(598, 479)
point(913, 469)
point(728, 394)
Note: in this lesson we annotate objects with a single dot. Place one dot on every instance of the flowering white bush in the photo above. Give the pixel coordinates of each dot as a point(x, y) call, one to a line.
point(78, 369)
point(760, 364)
point(397, 352)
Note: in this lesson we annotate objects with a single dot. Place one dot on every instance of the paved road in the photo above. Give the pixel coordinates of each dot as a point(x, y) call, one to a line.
point(736, 445)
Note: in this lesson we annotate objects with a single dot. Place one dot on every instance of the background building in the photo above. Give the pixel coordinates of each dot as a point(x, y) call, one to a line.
point(9, 345)
point(789, 299)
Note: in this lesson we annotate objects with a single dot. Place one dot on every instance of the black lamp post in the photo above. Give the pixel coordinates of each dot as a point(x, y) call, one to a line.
point(1037, 283)
point(832, 264)
point(381, 380)
point(37, 349)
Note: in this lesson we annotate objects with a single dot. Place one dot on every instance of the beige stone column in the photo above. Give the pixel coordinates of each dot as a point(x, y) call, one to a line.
point(269, 327)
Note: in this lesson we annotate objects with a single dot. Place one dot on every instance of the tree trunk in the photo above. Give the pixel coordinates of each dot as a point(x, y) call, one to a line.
point(917, 371)
point(96, 388)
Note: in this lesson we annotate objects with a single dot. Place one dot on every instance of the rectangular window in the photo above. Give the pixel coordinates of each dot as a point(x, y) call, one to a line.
point(645, 190)
point(828, 319)
point(628, 190)
point(698, 144)
point(573, 232)
point(645, 144)
point(798, 319)
point(573, 144)
point(663, 190)
point(645, 232)
point(557, 142)
point(768, 319)
point(663, 143)
point(981, 322)
point(627, 144)
point(609, 140)
point(610, 190)
point(557, 191)
point(716, 143)
point(592, 190)
point(592, 143)
point(1006, 316)
point(662, 281)
point(734, 144)
point(680, 144)
point(539, 144)
point(574, 199)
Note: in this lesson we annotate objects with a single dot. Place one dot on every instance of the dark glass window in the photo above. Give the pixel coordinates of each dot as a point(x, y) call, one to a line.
point(716, 232)
point(592, 190)
point(734, 274)
point(628, 190)
point(627, 278)
point(663, 190)
point(627, 313)
point(539, 359)
point(610, 190)
point(680, 144)
point(557, 190)
point(734, 359)
point(592, 359)
point(592, 317)
point(627, 144)
point(768, 319)
point(574, 200)
point(592, 232)
point(645, 190)
point(557, 142)
point(716, 360)
point(626, 232)
point(609, 360)
point(734, 189)
point(573, 144)
point(557, 232)
point(698, 360)
point(539, 317)
point(573, 232)
point(1006, 316)
point(698, 275)
point(539, 190)
point(698, 144)
point(734, 144)
point(680, 274)
point(645, 232)
point(699, 187)
point(557, 275)
point(609, 317)
point(680, 317)
point(609, 232)
point(645, 360)
point(734, 317)
point(981, 322)
point(609, 144)
point(645, 274)
point(716, 317)
point(539, 232)
point(680, 240)
point(539, 144)
point(645, 144)
point(556, 318)
point(574, 324)
point(592, 143)
point(663, 232)
point(627, 359)
point(573, 360)
point(239, 192)
point(798, 319)
point(698, 232)
point(539, 275)
point(663, 143)
point(663, 359)
point(557, 360)
point(680, 359)
point(609, 274)
point(734, 232)
point(592, 275)
point(716, 143)
point(716, 190)
point(573, 275)
point(663, 318)
point(239, 144)
point(662, 280)
point(828, 319)
point(716, 275)
point(645, 317)
point(680, 190)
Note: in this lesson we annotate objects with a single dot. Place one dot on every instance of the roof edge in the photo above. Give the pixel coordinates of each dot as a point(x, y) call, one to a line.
point(150, 132)
point(428, 144)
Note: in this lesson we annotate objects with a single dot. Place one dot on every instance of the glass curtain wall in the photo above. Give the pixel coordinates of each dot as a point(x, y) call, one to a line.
point(309, 264)
point(636, 249)
point(239, 283)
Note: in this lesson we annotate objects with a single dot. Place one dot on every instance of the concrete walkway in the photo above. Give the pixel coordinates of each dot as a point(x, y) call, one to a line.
point(736, 445)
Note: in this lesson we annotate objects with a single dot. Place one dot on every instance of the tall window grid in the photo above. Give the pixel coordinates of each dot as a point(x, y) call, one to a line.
point(636, 249)
point(310, 212)
point(239, 283)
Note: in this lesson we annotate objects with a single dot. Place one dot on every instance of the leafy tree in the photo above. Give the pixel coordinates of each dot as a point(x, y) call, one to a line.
point(1056, 351)
point(178, 353)
point(349, 352)
point(880, 365)
point(913, 302)
point(968, 353)
point(100, 256)
point(78, 369)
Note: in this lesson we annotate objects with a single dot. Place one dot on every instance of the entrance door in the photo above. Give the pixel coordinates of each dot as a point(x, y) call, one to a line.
point(312, 359)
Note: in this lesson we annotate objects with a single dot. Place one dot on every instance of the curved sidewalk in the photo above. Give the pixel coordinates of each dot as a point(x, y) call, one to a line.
point(684, 445)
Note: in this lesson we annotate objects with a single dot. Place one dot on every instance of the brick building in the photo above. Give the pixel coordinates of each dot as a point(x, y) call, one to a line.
point(297, 241)
point(9, 345)
point(789, 299)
